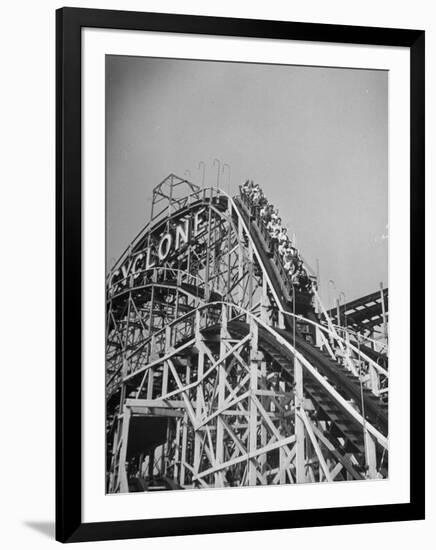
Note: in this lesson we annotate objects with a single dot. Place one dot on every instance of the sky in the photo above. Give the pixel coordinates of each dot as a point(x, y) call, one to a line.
point(314, 138)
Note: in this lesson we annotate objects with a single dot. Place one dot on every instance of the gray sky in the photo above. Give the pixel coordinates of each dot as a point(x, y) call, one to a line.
point(315, 139)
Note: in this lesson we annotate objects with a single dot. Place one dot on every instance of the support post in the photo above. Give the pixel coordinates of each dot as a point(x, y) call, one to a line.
point(250, 275)
point(299, 424)
point(263, 431)
point(371, 455)
point(241, 263)
point(385, 324)
point(252, 432)
point(177, 452)
point(113, 465)
point(264, 302)
point(207, 267)
point(198, 403)
point(221, 395)
point(122, 472)
point(374, 380)
point(185, 430)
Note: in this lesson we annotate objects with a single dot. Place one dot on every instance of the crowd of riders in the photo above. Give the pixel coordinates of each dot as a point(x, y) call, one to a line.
point(253, 196)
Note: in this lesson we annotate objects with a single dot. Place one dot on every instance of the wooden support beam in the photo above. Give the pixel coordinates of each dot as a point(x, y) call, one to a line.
point(185, 432)
point(221, 386)
point(370, 455)
point(252, 439)
point(300, 443)
point(345, 461)
point(285, 442)
point(316, 446)
point(122, 471)
point(198, 409)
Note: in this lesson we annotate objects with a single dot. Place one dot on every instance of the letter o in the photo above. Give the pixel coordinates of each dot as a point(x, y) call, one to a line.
point(165, 246)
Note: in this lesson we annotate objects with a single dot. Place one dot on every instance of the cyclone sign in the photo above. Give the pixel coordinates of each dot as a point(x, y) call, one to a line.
point(155, 254)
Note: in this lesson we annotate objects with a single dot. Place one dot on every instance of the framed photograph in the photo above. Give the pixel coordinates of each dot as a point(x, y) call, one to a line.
point(240, 255)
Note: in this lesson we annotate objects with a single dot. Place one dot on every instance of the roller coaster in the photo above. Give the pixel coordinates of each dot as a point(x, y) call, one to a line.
point(222, 372)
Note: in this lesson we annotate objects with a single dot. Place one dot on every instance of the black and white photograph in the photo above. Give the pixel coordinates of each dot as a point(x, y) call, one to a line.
point(217, 271)
point(247, 281)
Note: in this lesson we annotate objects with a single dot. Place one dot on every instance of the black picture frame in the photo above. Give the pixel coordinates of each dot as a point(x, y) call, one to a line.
point(69, 23)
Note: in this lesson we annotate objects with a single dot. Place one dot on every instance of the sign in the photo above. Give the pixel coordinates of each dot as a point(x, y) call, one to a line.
point(154, 255)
